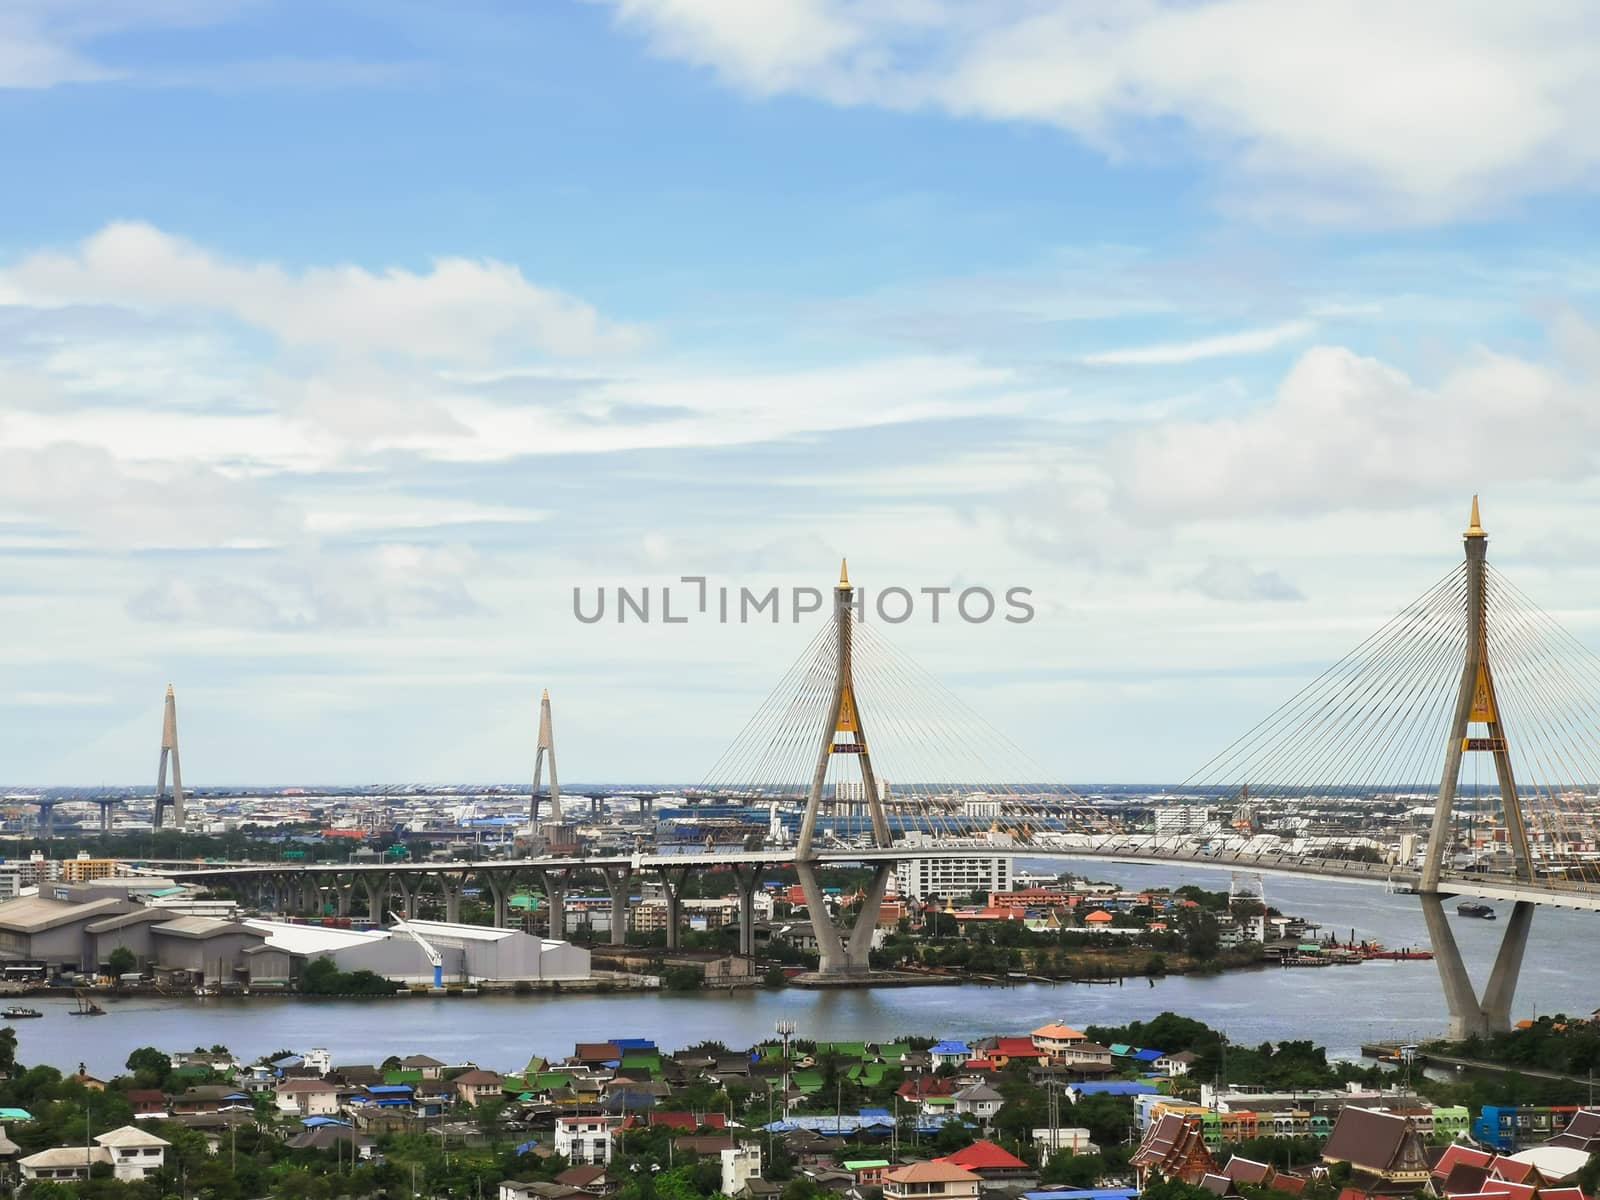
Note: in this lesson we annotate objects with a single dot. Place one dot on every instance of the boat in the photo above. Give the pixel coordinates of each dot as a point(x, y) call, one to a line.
point(87, 1007)
point(1471, 908)
point(19, 1014)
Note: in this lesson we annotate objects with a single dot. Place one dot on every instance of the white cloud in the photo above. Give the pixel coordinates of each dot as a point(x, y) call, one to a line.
point(459, 309)
point(1360, 110)
point(1346, 431)
point(87, 490)
point(1228, 345)
point(1236, 581)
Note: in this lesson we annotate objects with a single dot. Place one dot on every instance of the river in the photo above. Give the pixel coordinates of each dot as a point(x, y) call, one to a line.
point(1339, 1007)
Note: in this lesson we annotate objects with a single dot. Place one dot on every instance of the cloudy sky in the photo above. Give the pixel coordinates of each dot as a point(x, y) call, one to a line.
point(340, 342)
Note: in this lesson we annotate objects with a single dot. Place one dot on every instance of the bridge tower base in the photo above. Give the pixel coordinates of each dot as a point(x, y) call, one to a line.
point(843, 732)
point(1476, 704)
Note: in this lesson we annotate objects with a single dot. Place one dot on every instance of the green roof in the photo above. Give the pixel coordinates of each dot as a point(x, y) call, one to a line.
point(855, 1050)
point(15, 1114)
point(807, 1081)
point(402, 1077)
point(546, 1081)
point(894, 1051)
point(866, 1164)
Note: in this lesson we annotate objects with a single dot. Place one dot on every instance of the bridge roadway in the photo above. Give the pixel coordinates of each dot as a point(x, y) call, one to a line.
point(1485, 886)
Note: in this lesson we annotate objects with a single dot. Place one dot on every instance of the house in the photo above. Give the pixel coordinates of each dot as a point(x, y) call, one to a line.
point(949, 1054)
point(147, 1103)
point(979, 1100)
point(307, 1098)
point(513, 1189)
point(989, 1162)
point(998, 1052)
point(1062, 1141)
point(1054, 1038)
point(1386, 1154)
point(476, 1086)
point(431, 1068)
point(132, 1153)
point(930, 1181)
point(1176, 1064)
point(590, 1179)
point(1085, 1054)
point(740, 1164)
point(597, 1054)
point(869, 1172)
point(586, 1139)
point(209, 1098)
point(335, 1138)
point(1173, 1149)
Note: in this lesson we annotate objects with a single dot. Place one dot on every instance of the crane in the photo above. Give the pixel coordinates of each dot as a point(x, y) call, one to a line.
point(434, 957)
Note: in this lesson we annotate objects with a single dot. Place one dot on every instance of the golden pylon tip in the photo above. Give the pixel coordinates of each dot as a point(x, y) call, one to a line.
point(545, 699)
point(844, 575)
point(169, 689)
point(1476, 528)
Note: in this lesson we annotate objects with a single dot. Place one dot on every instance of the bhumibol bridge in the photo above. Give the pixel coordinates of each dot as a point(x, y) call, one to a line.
point(885, 765)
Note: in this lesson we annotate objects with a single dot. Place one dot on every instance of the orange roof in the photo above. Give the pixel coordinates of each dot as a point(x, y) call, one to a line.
point(931, 1172)
point(1057, 1032)
point(1099, 916)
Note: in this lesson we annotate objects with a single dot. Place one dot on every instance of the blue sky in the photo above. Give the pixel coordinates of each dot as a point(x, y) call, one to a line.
point(339, 343)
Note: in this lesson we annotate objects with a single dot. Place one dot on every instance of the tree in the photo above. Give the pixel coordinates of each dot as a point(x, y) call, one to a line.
point(150, 1067)
point(121, 962)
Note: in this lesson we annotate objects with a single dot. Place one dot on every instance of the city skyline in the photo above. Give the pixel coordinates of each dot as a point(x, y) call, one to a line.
point(334, 358)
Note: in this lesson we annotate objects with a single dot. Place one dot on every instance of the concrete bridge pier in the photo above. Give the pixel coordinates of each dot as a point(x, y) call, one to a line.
point(408, 897)
point(377, 890)
point(859, 946)
point(745, 879)
point(619, 882)
point(554, 882)
point(500, 885)
point(451, 887)
point(342, 890)
point(672, 879)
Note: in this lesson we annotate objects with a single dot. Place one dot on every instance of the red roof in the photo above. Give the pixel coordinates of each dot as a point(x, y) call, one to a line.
point(1016, 1047)
point(689, 1121)
point(1457, 1153)
point(983, 1156)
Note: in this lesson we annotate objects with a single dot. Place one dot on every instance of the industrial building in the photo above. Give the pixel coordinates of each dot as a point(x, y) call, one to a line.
point(79, 931)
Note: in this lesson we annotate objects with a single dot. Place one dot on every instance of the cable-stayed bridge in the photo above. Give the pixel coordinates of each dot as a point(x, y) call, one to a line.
point(1471, 685)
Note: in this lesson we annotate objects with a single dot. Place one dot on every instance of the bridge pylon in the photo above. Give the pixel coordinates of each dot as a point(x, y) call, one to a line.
point(1476, 728)
point(843, 733)
point(546, 747)
point(169, 748)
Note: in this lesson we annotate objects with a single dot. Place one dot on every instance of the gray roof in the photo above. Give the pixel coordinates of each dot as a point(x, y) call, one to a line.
point(138, 916)
point(204, 927)
point(34, 914)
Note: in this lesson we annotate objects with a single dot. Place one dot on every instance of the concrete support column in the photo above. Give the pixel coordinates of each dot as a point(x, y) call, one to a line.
point(672, 884)
point(450, 886)
point(1466, 1015)
point(619, 882)
point(377, 889)
point(341, 896)
point(745, 878)
point(408, 895)
point(554, 883)
point(860, 944)
point(1502, 987)
point(501, 884)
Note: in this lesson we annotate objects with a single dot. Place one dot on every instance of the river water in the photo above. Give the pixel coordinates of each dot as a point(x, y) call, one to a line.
point(1339, 1007)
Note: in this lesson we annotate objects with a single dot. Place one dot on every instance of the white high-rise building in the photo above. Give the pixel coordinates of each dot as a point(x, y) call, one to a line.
point(919, 877)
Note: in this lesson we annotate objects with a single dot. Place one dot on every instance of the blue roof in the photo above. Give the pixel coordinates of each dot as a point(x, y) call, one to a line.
point(874, 1112)
point(1148, 1055)
point(390, 1089)
point(952, 1048)
point(319, 1122)
point(1114, 1087)
point(1084, 1194)
point(633, 1043)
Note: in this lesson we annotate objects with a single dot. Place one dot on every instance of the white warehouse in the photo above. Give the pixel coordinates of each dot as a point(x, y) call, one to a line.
point(469, 954)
